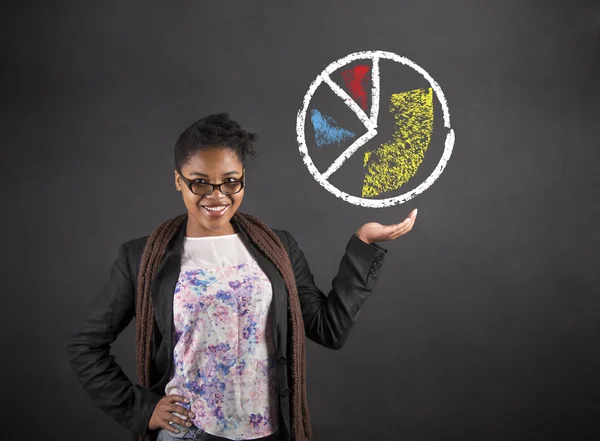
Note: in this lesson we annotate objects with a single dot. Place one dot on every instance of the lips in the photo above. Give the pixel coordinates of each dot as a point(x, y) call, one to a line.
point(214, 210)
point(215, 206)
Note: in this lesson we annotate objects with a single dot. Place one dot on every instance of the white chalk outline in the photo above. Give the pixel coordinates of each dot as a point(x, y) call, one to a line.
point(370, 124)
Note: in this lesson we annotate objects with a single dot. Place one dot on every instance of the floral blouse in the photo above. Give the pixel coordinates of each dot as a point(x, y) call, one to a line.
point(223, 349)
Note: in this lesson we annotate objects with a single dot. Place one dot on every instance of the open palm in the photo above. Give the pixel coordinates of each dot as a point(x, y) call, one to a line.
point(375, 232)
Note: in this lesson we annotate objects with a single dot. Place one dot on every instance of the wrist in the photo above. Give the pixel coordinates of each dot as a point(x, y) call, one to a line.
point(363, 239)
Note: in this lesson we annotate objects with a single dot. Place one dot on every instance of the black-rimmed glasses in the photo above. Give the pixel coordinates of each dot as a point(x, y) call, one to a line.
point(206, 188)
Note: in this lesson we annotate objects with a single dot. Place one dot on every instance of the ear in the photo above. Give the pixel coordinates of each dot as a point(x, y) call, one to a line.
point(177, 181)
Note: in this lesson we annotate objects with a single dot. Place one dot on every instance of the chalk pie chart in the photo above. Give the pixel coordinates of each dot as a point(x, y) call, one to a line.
point(388, 162)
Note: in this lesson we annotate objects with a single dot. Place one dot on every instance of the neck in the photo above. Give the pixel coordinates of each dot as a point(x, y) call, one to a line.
point(194, 229)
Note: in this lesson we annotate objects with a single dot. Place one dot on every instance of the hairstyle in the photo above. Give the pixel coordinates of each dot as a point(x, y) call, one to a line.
point(217, 130)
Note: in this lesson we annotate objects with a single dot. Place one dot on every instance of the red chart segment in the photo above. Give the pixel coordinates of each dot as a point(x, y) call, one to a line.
point(355, 80)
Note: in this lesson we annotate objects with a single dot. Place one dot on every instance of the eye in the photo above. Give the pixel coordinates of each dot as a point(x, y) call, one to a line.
point(232, 180)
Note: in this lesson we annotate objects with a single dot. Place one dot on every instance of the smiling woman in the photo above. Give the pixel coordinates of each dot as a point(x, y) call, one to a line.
point(223, 304)
point(209, 156)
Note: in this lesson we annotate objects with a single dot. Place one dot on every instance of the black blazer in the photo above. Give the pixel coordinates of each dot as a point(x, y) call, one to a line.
point(328, 321)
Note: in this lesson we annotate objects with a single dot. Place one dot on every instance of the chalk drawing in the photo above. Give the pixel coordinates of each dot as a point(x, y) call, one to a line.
point(396, 161)
point(370, 122)
point(355, 79)
point(327, 130)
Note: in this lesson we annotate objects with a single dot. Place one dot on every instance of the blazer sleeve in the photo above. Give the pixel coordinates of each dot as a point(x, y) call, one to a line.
point(88, 349)
point(329, 319)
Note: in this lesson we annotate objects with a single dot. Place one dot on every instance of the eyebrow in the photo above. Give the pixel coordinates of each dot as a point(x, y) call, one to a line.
point(206, 176)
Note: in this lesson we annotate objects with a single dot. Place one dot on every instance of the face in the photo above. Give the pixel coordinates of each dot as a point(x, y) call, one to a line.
point(213, 165)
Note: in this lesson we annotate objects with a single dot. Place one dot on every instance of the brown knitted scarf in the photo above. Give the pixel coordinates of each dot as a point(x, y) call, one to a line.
point(271, 246)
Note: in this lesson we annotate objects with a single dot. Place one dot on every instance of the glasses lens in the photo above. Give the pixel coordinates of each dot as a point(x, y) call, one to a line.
point(201, 189)
point(231, 187)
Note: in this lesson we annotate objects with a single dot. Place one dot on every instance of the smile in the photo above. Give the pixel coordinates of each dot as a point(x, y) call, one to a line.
point(215, 211)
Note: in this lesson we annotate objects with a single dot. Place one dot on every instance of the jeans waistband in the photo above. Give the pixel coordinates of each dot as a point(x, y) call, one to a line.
point(196, 434)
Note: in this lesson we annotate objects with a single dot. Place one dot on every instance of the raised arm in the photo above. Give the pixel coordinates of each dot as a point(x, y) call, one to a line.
point(329, 319)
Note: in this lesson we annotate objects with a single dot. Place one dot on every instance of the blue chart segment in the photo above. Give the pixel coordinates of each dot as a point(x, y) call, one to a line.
point(327, 130)
point(356, 81)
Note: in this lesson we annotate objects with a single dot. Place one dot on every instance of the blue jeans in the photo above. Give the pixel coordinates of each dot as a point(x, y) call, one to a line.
point(195, 434)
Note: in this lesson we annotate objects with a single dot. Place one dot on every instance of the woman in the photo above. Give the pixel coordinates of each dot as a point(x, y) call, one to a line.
point(222, 304)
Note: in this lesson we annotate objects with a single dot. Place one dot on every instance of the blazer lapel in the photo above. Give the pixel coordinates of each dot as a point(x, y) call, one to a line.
point(280, 300)
point(163, 288)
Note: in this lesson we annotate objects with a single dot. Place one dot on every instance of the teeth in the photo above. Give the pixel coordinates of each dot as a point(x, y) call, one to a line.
point(216, 208)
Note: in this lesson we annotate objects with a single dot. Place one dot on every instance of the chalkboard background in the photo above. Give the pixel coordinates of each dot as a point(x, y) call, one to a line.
point(485, 321)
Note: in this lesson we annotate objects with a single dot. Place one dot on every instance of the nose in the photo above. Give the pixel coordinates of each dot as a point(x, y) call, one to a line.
point(216, 196)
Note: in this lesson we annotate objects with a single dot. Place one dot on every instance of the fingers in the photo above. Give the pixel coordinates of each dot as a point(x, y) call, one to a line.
point(170, 412)
point(175, 399)
point(409, 225)
point(180, 410)
point(405, 226)
point(165, 419)
point(389, 230)
point(172, 418)
point(170, 404)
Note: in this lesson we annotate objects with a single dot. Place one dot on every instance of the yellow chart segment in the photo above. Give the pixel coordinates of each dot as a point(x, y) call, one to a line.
point(395, 162)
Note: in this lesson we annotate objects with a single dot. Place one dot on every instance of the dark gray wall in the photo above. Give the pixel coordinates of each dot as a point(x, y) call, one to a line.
point(486, 319)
